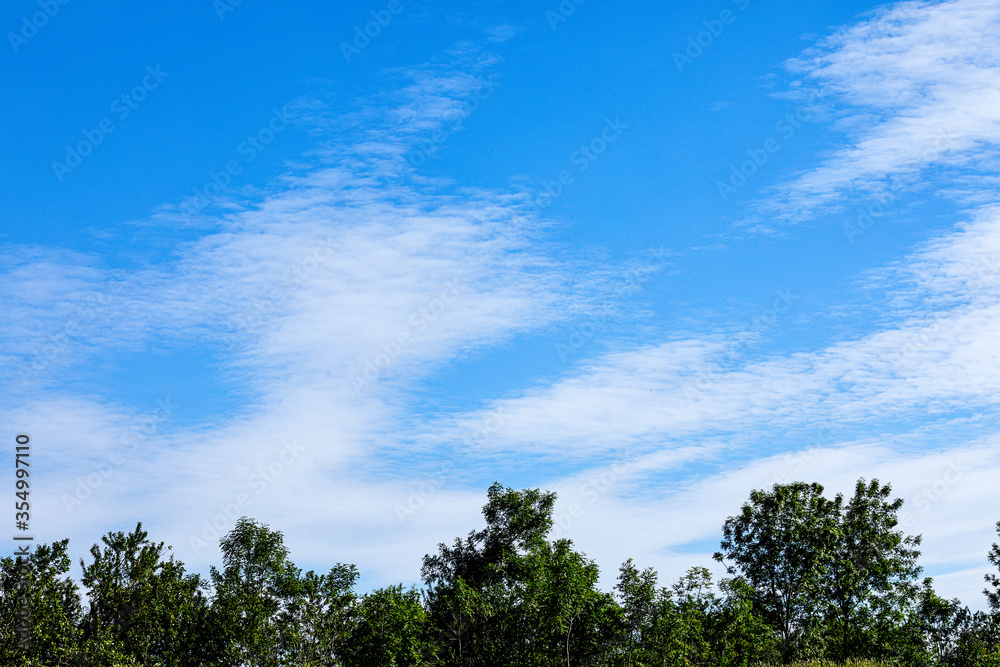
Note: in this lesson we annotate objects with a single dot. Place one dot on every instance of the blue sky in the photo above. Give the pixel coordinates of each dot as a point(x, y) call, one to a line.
point(647, 255)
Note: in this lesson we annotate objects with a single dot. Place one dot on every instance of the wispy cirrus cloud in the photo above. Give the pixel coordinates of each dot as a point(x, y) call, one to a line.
point(911, 86)
point(934, 356)
point(292, 293)
point(917, 87)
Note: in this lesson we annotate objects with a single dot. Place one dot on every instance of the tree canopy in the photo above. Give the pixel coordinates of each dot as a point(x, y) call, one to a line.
point(807, 577)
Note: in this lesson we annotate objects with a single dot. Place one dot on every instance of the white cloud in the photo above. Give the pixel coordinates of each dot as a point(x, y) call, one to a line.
point(921, 81)
point(353, 265)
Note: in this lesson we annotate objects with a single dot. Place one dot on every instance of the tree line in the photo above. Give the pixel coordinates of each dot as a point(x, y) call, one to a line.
point(808, 577)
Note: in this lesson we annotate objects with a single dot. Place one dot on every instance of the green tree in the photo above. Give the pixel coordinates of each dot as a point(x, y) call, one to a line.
point(638, 595)
point(457, 605)
point(688, 624)
point(870, 569)
point(317, 622)
point(254, 588)
point(39, 582)
point(740, 637)
point(993, 596)
point(975, 640)
point(695, 604)
point(928, 633)
point(391, 630)
point(507, 596)
point(479, 583)
point(141, 607)
point(778, 544)
point(516, 522)
point(574, 618)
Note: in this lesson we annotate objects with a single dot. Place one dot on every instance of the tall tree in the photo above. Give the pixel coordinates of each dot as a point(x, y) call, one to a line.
point(319, 618)
point(516, 521)
point(476, 587)
point(142, 607)
point(870, 568)
point(38, 583)
point(638, 594)
point(572, 615)
point(975, 640)
point(739, 636)
point(696, 604)
point(391, 630)
point(508, 596)
point(993, 596)
point(928, 633)
point(252, 590)
point(778, 544)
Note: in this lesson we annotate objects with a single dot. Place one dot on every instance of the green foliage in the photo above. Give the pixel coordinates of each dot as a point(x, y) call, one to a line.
point(141, 607)
point(641, 609)
point(869, 570)
point(689, 624)
point(778, 544)
point(507, 596)
point(252, 591)
point(479, 588)
point(317, 622)
point(811, 580)
point(572, 615)
point(831, 579)
point(824, 662)
point(742, 638)
point(974, 639)
point(39, 581)
point(993, 596)
point(516, 522)
point(390, 631)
